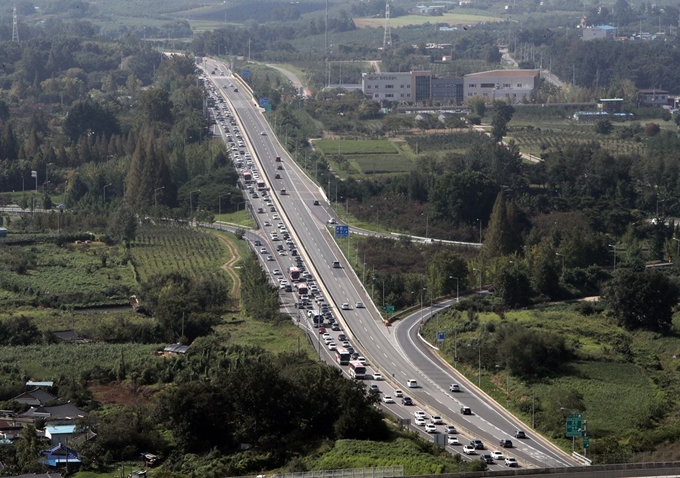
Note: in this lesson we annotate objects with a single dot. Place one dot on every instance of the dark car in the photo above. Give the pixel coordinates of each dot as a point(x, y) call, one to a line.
point(520, 434)
point(316, 202)
point(406, 401)
point(477, 443)
point(278, 176)
point(465, 411)
point(506, 443)
point(487, 459)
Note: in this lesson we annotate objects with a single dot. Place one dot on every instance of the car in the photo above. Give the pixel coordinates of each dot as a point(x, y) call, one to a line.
point(263, 250)
point(283, 253)
point(506, 443)
point(327, 340)
point(355, 355)
point(342, 337)
point(377, 376)
point(387, 399)
point(359, 305)
point(430, 428)
point(331, 220)
point(279, 167)
point(450, 429)
point(419, 421)
point(510, 461)
point(326, 335)
point(477, 443)
point(263, 133)
point(335, 327)
point(454, 387)
point(451, 440)
point(465, 410)
point(469, 450)
point(398, 393)
point(267, 224)
point(362, 359)
point(436, 420)
point(412, 383)
point(322, 330)
point(345, 306)
point(276, 272)
point(374, 387)
point(316, 202)
point(332, 346)
point(520, 434)
point(406, 401)
point(277, 176)
point(270, 258)
point(420, 413)
point(346, 344)
point(277, 159)
point(497, 455)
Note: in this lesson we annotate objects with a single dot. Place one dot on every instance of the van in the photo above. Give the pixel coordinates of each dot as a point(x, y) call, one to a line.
point(412, 383)
point(336, 264)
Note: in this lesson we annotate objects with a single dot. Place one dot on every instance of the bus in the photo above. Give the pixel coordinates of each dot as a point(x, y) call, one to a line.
point(357, 370)
point(260, 185)
point(247, 177)
point(301, 290)
point(293, 274)
point(342, 356)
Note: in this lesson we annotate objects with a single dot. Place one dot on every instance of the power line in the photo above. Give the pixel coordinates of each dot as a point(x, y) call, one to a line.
point(15, 26)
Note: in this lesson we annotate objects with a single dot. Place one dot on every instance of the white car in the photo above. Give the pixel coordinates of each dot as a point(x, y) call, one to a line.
point(412, 383)
point(510, 461)
point(469, 450)
point(276, 272)
point(419, 421)
point(263, 133)
point(454, 387)
point(497, 455)
point(345, 306)
point(450, 429)
point(377, 376)
point(374, 387)
point(326, 336)
point(328, 340)
point(436, 420)
point(387, 399)
point(267, 224)
point(420, 414)
point(430, 428)
point(362, 359)
point(332, 346)
point(359, 305)
point(452, 440)
point(398, 393)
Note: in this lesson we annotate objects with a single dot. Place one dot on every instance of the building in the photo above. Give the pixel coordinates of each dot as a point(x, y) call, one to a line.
point(601, 32)
point(448, 90)
point(410, 87)
point(611, 105)
point(513, 86)
point(653, 97)
point(35, 397)
point(3, 232)
point(59, 433)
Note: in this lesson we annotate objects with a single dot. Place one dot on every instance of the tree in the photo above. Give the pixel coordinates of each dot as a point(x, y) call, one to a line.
point(545, 277)
point(652, 129)
point(529, 353)
point(502, 237)
point(89, 117)
point(123, 224)
point(642, 300)
point(603, 126)
point(513, 286)
point(27, 450)
point(155, 106)
point(444, 266)
point(499, 128)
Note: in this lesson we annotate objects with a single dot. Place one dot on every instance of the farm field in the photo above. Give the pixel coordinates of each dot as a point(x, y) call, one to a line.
point(163, 249)
point(449, 18)
point(72, 275)
point(365, 156)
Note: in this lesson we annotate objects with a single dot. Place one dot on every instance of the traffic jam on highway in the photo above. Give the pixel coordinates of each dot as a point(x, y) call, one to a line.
point(302, 295)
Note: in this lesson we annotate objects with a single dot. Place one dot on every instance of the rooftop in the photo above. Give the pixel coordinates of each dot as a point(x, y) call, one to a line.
point(505, 73)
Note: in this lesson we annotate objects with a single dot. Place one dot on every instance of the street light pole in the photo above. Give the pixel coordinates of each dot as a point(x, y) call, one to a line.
point(677, 254)
point(480, 278)
point(105, 191)
point(191, 202)
point(480, 230)
point(457, 283)
point(421, 304)
point(219, 204)
point(614, 247)
point(562, 256)
point(155, 201)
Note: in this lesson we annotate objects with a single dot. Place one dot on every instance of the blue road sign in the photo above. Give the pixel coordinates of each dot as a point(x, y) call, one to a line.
point(264, 101)
point(245, 73)
point(341, 231)
point(440, 336)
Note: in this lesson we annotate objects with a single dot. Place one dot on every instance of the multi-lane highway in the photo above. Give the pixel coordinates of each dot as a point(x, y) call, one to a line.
point(395, 351)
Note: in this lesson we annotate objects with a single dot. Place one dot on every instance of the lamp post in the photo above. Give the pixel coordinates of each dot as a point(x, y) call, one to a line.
point(657, 206)
point(44, 186)
point(457, 283)
point(677, 254)
point(614, 247)
point(562, 256)
point(219, 204)
point(47, 172)
point(480, 230)
point(237, 208)
point(155, 200)
point(480, 278)
point(105, 191)
point(421, 304)
point(191, 202)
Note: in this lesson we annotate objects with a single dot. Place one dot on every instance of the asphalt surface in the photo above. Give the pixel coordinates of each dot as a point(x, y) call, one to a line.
point(394, 351)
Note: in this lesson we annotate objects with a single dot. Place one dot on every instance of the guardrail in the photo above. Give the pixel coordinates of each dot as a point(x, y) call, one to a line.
point(377, 472)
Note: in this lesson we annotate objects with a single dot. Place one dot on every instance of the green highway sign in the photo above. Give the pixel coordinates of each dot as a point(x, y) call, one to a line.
point(586, 442)
point(389, 309)
point(574, 425)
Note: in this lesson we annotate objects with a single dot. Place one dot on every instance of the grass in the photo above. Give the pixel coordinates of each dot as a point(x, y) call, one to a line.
point(162, 249)
point(54, 319)
point(448, 18)
point(241, 217)
point(275, 338)
point(365, 156)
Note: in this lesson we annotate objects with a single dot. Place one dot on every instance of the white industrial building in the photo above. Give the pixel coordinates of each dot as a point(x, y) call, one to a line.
point(512, 86)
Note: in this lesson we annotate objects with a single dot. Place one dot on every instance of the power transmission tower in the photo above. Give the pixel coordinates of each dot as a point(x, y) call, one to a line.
point(387, 38)
point(15, 26)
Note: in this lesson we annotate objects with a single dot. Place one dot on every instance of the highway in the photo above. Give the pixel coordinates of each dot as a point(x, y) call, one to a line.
point(395, 351)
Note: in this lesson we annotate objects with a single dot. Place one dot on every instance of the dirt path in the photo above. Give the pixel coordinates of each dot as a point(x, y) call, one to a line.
point(229, 268)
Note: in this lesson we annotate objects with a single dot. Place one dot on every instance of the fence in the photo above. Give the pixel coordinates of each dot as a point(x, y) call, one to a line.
point(664, 456)
point(378, 472)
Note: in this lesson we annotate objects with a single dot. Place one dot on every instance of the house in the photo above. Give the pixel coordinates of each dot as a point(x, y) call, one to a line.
point(35, 397)
point(3, 232)
point(653, 97)
point(67, 411)
point(176, 349)
point(59, 433)
point(60, 455)
point(611, 105)
point(600, 32)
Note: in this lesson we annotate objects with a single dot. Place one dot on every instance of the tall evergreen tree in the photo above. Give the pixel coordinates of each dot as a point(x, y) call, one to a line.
point(502, 236)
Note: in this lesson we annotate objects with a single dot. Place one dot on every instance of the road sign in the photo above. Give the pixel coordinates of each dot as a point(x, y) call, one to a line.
point(586, 442)
point(245, 73)
point(264, 101)
point(574, 425)
point(389, 309)
point(341, 231)
point(440, 336)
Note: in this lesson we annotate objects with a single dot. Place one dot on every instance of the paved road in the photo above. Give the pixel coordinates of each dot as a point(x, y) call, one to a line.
point(364, 326)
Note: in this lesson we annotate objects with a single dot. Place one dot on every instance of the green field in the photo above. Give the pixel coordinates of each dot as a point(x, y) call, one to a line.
point(70, 275)
point(163, 249)
point(449, 18)
point(350, 157)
